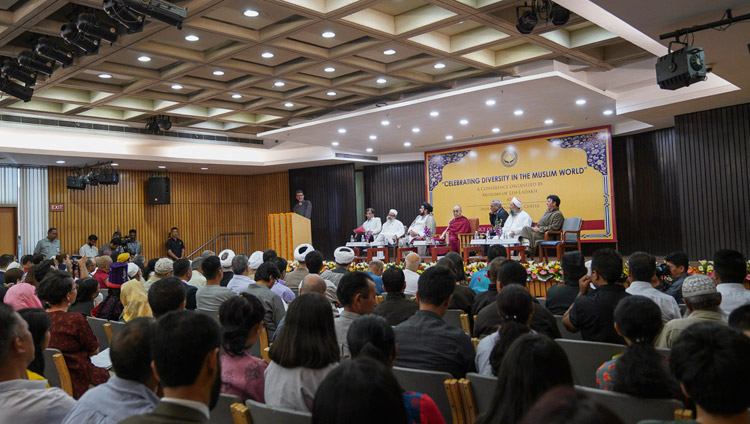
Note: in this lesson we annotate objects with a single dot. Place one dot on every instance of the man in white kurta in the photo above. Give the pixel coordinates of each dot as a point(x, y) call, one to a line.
point(517, 219)
point(422, 221)
point(392, 230)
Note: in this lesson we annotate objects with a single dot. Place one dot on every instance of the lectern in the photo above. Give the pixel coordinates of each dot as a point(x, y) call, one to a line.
point(287, 231)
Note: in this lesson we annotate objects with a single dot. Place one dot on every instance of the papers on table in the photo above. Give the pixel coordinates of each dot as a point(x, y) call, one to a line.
point(102, 360)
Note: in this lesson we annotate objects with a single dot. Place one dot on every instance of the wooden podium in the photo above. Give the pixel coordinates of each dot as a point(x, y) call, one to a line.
point(287, 231)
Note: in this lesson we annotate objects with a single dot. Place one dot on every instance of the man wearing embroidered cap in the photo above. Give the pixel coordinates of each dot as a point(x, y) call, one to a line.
point(517, 219)
point(162, 269)
point(702, 299)
point(294, 278)
point(343, 256)
point(393, 229)
point(225, 258)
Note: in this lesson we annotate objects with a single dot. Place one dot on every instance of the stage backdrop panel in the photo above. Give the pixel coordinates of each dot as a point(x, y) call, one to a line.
point(575, 166)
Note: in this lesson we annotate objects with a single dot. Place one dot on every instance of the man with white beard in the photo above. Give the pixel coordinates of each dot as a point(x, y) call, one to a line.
point(392, 230)
point(516, 220)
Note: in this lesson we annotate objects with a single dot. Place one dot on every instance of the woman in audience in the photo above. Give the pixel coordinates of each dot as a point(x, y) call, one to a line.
point(302, 355)
point(564, 405)
point(533, 364)
point(12, 277)
point(370, 336)
point(134, 300)
point(515, 305)
point(640, 371)
point(150, 268)
point(361, 391)
point(23, 294)
point(242, 374)
point(70, 332)
point(88, 291)
point(39, 324)
point(62, 262)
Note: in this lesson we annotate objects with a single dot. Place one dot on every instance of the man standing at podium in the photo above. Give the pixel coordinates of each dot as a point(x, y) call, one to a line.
point(303, 207)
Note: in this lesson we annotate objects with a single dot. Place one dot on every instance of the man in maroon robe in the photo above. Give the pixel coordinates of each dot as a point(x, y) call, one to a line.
point(458, 225)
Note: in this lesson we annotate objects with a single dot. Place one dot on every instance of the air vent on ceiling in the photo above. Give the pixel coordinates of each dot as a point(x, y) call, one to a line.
point(352, 156)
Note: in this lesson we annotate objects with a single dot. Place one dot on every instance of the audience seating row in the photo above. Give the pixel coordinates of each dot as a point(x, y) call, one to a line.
point(56, 370)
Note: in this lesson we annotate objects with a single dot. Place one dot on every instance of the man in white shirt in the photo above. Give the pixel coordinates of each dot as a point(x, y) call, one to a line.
point(421, 222)
point(642, 268)
point(89, 249)
point(517, 219)
point(393, 229)
point(730, 270)
point(240, 281)
point(411, 275)
point(372, 225)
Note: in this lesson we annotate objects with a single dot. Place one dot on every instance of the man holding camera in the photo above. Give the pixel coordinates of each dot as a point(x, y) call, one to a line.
point(676, 264)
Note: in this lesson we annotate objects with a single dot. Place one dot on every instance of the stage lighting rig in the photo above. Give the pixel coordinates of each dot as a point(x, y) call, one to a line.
point(72, 35)
point(92, 178)
point(528, 16)
point(47, 48)
point(28, 59)
point(88, 24)
point(158, 123)
point(527, 21)
point(16, 90)
point(118, 11)
point(76, 182)
point(12, 69)
point(157, 9)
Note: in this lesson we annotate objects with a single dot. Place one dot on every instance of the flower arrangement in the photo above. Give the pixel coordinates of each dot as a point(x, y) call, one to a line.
point(543, 271)
point(291, 266)
point(706, 267)
point(427, 233)
point(473, 267)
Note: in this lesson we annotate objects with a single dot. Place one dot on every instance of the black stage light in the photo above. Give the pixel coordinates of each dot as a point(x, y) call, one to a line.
point(526, 22)
point(45, 47)
point(91, 178)
point(160, 10)
point(13, 70)
point(28, 59)
point(16, 90)
point(118, 11)
point(72, 35)
point(109, 177)
point(89, 25)
point(76, 183)
point(559, 15)
point(164, 123)
point(151, 125)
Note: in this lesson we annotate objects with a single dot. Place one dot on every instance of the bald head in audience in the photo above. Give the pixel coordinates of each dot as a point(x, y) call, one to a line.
point(412, 261)
point(312, 283)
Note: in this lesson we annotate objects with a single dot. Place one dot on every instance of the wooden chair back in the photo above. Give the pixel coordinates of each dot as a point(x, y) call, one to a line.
point(564, 333)
point(453, 391)
point(240, 414)
point(261, 413)
point(56, 370)
point(631, 409)
point(97, 326)
point(222, 412)
point(586, 357)
point(264, 345)
point(482, 390)
point(378, 299)
point(430, 382)
point(465, 323)
point(453, 318)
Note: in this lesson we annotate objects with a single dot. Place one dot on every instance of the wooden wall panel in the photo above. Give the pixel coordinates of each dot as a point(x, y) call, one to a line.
point(202, 205)
point(397, 186)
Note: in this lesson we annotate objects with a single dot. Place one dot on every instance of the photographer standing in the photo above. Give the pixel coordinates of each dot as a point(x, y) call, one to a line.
point(678, 265)
point(116, 245)
point(133, 246)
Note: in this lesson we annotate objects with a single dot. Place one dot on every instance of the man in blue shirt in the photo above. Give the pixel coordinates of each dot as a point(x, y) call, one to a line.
point(479, 280)
point(375, 271)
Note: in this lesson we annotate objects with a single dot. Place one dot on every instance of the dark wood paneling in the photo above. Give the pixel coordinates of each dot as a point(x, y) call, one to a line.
point(332, 193)
point(397, 186)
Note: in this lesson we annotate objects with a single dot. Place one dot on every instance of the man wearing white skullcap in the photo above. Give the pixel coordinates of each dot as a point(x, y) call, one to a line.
point(393, 229)
point(294, 278)
point(516, 220)
point(343, 256)
point(226, 257)
point(254, 262)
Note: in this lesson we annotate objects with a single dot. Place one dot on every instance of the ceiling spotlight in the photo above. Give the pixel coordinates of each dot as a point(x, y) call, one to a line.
point(70, 33)
point(415, 130)
point(518, 112)
point(120, 12)
point(60, 161)
point(144, 59)
point(13, 70)
point(288, 104)
point(581, 102)
point(407, 144)
point(192, 37)
point(250, 13)
point(449, 137)
point(16, 90)
point(47, 48)
point(331, 93)
point(342, 130)
point(176, 87)
point(88, 24)
point(328, 34)
point(204, 169)
point(279, 84)
point(496, 130)
point(236, 96)
point(385, 122)
point(334, 143)
point(114, 164)
point(608, 112)
point(266, 55)
point(162, 167)
point(389, 52)
point(434, 113)
point(464, 122)
point(218, 72)
point(439, 65)
point(381, 80)
point(29, 60)
point(549, 121)
point(369, 150)
point(527, 21)
point(373, 137)
point(329, 69)
point(490, 102)
point(105, 76)
point(559, 15)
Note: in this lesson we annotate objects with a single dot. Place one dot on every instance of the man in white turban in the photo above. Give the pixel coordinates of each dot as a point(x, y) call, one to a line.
point(516, 220)
point(393, 229)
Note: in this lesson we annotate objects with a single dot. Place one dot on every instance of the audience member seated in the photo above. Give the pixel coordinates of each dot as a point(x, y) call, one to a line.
point(226, 258)
point(740, 319)
point(185, 352)
point(163, 268)
point(463, 296)
point(23, 400)
point(5, 260)
point(265, 277)
point(533, 365)
point(102, 271)
point(362, 392)
point(488, 319)
point(710, 363)
point(38, 322)
point(730, 270)
point(488, 296)
point(23, 294)
point(395, 308)
point(254, 261)
point(279, 287)
point(678, 264)
point(480, 280)
point(132, 390)
point(425, 341)
point(197, 279)
point(343, 256)
point(88, 292)
point(70, 332)
point(295, 277)
point(212, 295)
point(458, 225)
point(182, 271)
point(375, 271)
point(640, 371)
point(702, 300)
point(411, 266)
point(314, 261)
point(241, 269)
point(643, 277)
point(166, 295)
point(371, 337)
point(269, 254)
point(593, 313)
point(560, 297)
point(12, 277)
point(356, 292)
point(515, 306)
point(303, 354)
point(241, 321)
point(565, 405)
point(312, 283)
point(134, 301)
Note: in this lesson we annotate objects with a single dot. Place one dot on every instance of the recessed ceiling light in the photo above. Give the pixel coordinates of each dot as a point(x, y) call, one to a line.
point(105, 76)
point(288, 104)
point(329, 69)
point(334, 143)
point(490, 102)
point(369, 150)
point(192, 37)
point(176, 87)
point(549, 121)
point(449, 137)
point(608, 112)
point(279, 84)
point(144, 59)
point(162, 167)
point(342, 130)
point(407, 144)
point(60, 161)
point(266, 55)
point(581, 102)
point(496, 130)
point(218, 72)
point(204, 169)
point(373, 137)
point(415, 130)
point(328, 34)
point(331, 93)
point(385, 122)
point(518, 112)
point(114, 164)
point(434, 113)
point(250, 13)
point(381, 80)
point(464, 122)
point(236, 96)
point(439, 65)
point(389, 52)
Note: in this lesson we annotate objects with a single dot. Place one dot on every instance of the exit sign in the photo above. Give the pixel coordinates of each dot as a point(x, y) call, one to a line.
point(55, 207)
